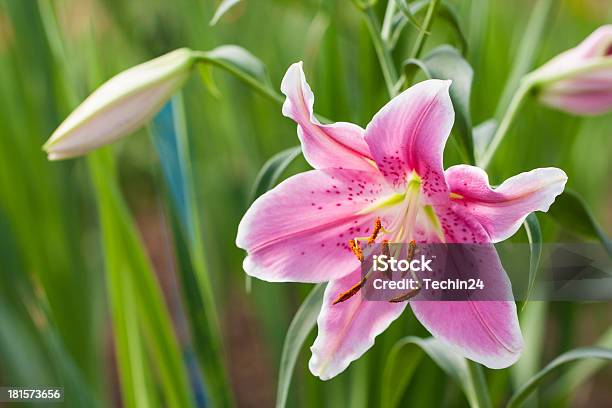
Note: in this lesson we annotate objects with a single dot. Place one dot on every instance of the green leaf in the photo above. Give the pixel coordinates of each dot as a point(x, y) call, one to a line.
point(568, 357)
point(482, 135)
point(169, 133)
point(223, 8)
point(272, 170)
point(402, 362)
point(578, 373)
point(572, 213)
point(445, 10)
point(446, 62)
point(534, 235)
point(235, 58)
point(206, 74)
point(268, 177)
point(242, 64)
point(448, 12)
point(533, 326)
point(140, 317)
point(302, 324)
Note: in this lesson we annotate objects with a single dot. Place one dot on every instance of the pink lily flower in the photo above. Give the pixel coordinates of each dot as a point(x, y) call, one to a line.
point(389, 178)
point(579, 80)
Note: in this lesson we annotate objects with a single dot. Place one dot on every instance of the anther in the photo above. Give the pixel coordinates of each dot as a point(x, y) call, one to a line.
point(406, 296)
point(384, 250)
point(377, 228)
point(356, 249)
point(384, 247)
point(351, 292)
point(411, 250)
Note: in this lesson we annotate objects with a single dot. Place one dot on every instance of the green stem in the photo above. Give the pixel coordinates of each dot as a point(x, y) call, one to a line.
point(271, 94)
point(424, 31)
point(523, 63)
point(478, 394)
point(382, 51)
point(525, 56)
point(387, 25)
point(505, 123)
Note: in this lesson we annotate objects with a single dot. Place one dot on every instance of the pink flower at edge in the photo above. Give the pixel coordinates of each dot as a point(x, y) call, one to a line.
point(391, 171)
point(579, 80)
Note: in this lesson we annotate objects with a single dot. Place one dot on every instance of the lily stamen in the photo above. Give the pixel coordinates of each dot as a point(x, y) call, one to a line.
point(354, 245)
point(377, 228)
point(352, 291)
point(406, 296)
point(356, 249)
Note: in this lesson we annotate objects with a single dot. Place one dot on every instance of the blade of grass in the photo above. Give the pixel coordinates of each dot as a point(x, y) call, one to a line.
point(302, 324)
point(170, 138)
point(128, 266)
point(571, 356)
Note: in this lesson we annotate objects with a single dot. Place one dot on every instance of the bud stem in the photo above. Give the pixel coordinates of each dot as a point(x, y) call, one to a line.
point(504, 126)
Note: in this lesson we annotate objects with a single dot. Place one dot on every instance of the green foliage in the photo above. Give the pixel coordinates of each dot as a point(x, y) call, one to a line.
point(565, 358)
point(223, 8)
point(402, 362)
point(572, 213)
point(146, 342)
point(56, 276)
point(302, 324)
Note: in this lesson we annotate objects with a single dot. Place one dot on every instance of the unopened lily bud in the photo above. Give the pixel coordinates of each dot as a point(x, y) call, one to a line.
point(121, 105)
point(579, 80)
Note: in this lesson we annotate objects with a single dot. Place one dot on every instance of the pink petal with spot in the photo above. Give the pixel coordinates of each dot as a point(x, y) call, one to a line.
point(347, 330)
point(337, 145)
point(487, 332)
point(299, 230)
point(502, 210)
point(409, 134)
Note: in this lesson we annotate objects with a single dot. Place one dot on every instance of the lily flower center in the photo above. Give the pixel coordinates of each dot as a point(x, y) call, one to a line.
point(401, 230)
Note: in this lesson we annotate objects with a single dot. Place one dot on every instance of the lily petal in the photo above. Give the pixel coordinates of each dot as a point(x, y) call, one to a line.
point(347, 330)
point(409, 134)
point(502, 210)
point(597, 44)
point(337, 145)
point(299, 231)
point(121, 105)
point(484, 331)
point(487, 332)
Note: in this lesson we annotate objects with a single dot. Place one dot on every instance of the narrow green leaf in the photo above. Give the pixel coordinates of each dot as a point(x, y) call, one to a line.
point(578, 373)
point(239, 59)
point(446, 62)
point(449, 13)
point(568, 357)
point(534, 235)
point(482, 135)
point(272, 170)
point(223, 8)
point(242, 64)
point(402, 362)
point(138, 308)
point(302, 324)
point(533, 326)
point(170, 138)
point(572, 213)
point(445, 11)
point(206, 74)
point(267, 178)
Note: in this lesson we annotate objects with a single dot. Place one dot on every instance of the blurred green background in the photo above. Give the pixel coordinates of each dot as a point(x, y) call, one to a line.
point(54, 321)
